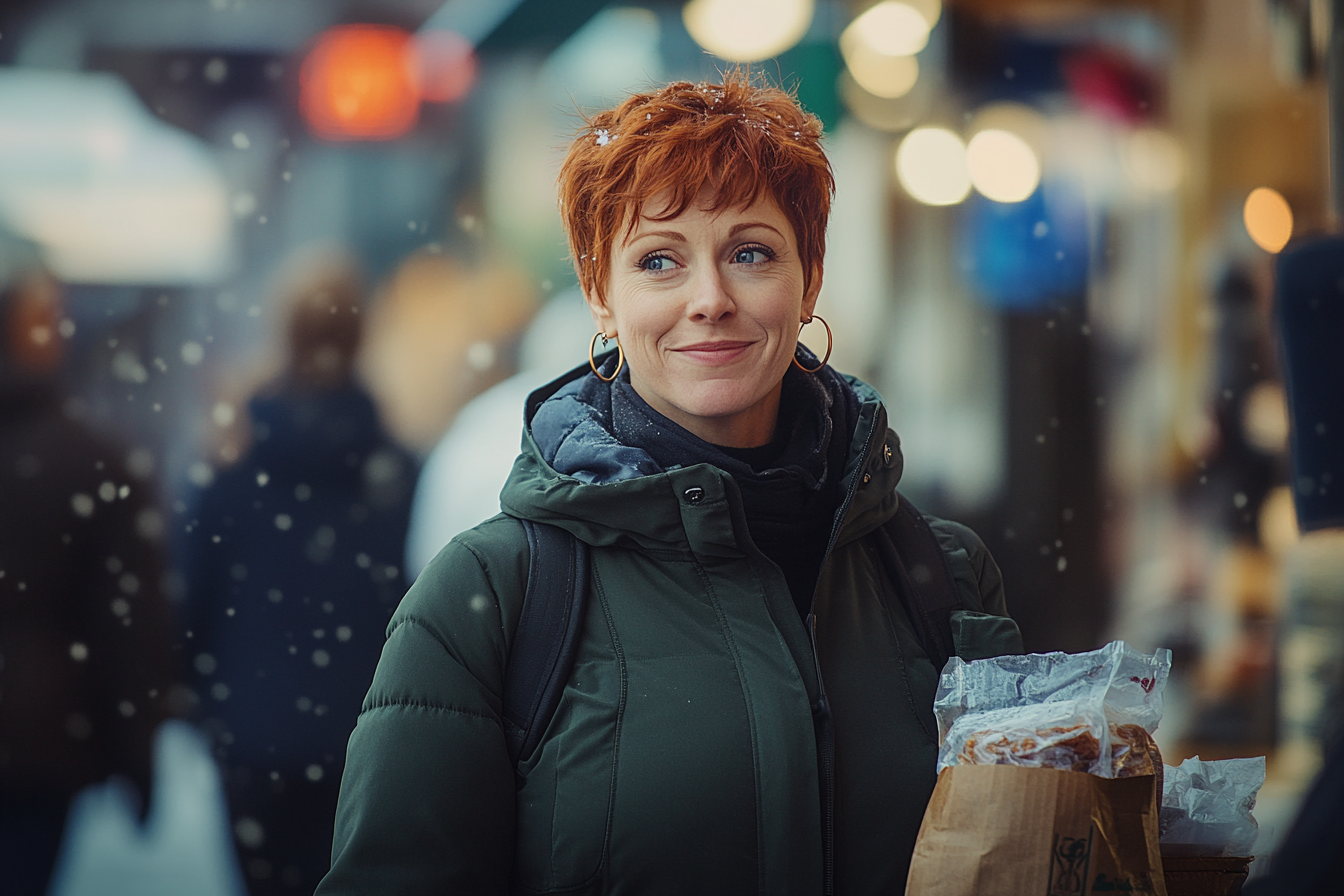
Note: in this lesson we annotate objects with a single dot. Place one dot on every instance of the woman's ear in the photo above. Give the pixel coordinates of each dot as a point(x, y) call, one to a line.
point(603, 319)
point(813, 291)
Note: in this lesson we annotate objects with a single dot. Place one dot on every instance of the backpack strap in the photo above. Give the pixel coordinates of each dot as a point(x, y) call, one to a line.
point(923, 579)
point(547, 637)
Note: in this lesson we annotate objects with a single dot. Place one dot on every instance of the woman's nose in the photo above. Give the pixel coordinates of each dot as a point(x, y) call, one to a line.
point(710, 299)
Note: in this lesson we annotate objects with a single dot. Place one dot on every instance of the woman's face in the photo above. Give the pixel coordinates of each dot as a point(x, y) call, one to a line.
point(707, 306)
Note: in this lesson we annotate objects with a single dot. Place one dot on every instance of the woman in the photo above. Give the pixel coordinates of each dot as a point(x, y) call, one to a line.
point(749, 710)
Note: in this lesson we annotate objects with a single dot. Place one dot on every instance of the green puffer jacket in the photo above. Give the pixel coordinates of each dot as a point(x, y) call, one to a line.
point(683, 757)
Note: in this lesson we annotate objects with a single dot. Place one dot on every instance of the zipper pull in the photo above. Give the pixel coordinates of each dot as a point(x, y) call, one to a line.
point(821, 709)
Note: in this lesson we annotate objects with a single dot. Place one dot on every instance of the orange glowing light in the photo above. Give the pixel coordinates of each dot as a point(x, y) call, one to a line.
point(1268, 218)
point(359, 83)
point(444, 65)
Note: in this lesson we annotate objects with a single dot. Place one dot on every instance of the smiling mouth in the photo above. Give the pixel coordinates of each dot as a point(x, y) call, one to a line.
point(716, 352)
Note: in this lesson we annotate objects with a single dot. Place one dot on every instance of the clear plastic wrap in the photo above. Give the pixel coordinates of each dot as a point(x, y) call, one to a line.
point(1092, 712)
point(1206, 807)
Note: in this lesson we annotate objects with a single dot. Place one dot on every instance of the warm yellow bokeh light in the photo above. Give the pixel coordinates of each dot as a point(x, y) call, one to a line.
point(893, 115)
point(1269, 220)
point(881, 75)
point(1002, 166)
point(931, 10)
point(931, 165)
point(892, 28)
point(1016, 118)
point(1278, 521)
point(747, 30)
point(1264, 417)
point(1153, 160)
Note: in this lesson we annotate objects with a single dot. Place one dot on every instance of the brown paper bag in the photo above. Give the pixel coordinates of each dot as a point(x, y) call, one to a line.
point(1000, 830)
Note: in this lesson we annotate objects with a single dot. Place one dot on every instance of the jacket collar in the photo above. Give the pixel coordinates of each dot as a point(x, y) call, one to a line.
point(620, 497)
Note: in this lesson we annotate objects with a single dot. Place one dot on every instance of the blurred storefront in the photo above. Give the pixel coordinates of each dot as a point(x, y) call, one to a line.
point(1052, 250)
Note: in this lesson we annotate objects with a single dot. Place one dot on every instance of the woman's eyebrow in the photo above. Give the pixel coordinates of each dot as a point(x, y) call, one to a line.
point(747, 225)
point(665, 234)
point(678, 237)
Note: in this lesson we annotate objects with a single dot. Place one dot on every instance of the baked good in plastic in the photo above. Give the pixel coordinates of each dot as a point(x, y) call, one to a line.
point(1092, 712)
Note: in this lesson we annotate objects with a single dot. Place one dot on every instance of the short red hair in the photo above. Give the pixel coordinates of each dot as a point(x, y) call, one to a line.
point(738, 138)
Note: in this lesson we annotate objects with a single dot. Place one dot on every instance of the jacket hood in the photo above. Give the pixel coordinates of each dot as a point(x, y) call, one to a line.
point(616, 494)
point(320, 435)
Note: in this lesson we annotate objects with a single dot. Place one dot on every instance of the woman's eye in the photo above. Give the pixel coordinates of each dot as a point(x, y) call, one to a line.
point(750, 255)
point(657, 263)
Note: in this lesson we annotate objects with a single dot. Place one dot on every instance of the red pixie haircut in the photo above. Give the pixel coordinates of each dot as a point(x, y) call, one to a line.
point(740, 139)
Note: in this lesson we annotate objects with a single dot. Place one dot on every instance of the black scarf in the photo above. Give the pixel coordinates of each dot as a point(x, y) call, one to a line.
point(790, 488)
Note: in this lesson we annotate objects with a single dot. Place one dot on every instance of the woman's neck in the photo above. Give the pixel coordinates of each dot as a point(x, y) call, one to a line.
point(748, 428)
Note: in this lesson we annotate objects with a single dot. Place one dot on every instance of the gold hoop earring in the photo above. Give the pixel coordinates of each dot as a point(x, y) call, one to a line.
point(620, 357)
point(830, 343)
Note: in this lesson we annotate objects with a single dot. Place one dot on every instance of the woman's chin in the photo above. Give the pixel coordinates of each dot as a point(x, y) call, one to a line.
point(716, 402)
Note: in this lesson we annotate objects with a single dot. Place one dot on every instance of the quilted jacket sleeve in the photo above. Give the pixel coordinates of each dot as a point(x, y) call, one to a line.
point(984, 628)
point(427, 800)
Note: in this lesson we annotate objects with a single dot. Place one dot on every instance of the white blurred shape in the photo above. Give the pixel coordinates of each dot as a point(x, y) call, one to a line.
point(1002, 166)
point(931, 10)
point(460, 482)
point(857, 286)
point(108, 192)
point(892, 28)
point(184, 847)
point(747, 30)
point(931, 165)
point(1153, 160)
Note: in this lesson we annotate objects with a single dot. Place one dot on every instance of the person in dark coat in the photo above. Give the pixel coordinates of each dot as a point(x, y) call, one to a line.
point(292, 574)
point(85, 631)
point(749, 706)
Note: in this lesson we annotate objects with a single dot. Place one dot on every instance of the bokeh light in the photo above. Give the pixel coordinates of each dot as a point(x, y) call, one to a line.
point(931, 10)
point(1277, 523)
point(445, 65)
point(896, 115)
point(891, 28)
point(747, 30)
point(359, 83)
point(1153, 160)
point(931, 166)
point(1002, 165)
point(880, 74)
point(1264, 417)
point(1269, 219)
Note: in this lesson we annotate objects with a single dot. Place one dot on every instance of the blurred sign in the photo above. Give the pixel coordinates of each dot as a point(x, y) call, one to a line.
point(1027, 255)
point(109, 193)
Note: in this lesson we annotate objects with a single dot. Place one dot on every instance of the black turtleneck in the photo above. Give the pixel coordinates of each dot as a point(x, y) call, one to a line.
point(789, 487)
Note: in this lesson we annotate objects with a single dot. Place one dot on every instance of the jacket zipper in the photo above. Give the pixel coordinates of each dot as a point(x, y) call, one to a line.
point(822, 720)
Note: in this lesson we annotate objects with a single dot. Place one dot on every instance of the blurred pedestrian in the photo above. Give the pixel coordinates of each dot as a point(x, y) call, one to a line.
point(85, 649)
point(293, 572)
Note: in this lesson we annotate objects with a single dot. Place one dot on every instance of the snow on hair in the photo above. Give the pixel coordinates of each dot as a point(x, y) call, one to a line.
point(741, 139)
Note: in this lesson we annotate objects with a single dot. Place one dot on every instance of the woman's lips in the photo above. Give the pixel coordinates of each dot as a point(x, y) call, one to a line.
point(715, 353)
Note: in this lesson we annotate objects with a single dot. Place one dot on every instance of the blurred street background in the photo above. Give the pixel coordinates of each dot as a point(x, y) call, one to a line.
point(272, 249)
